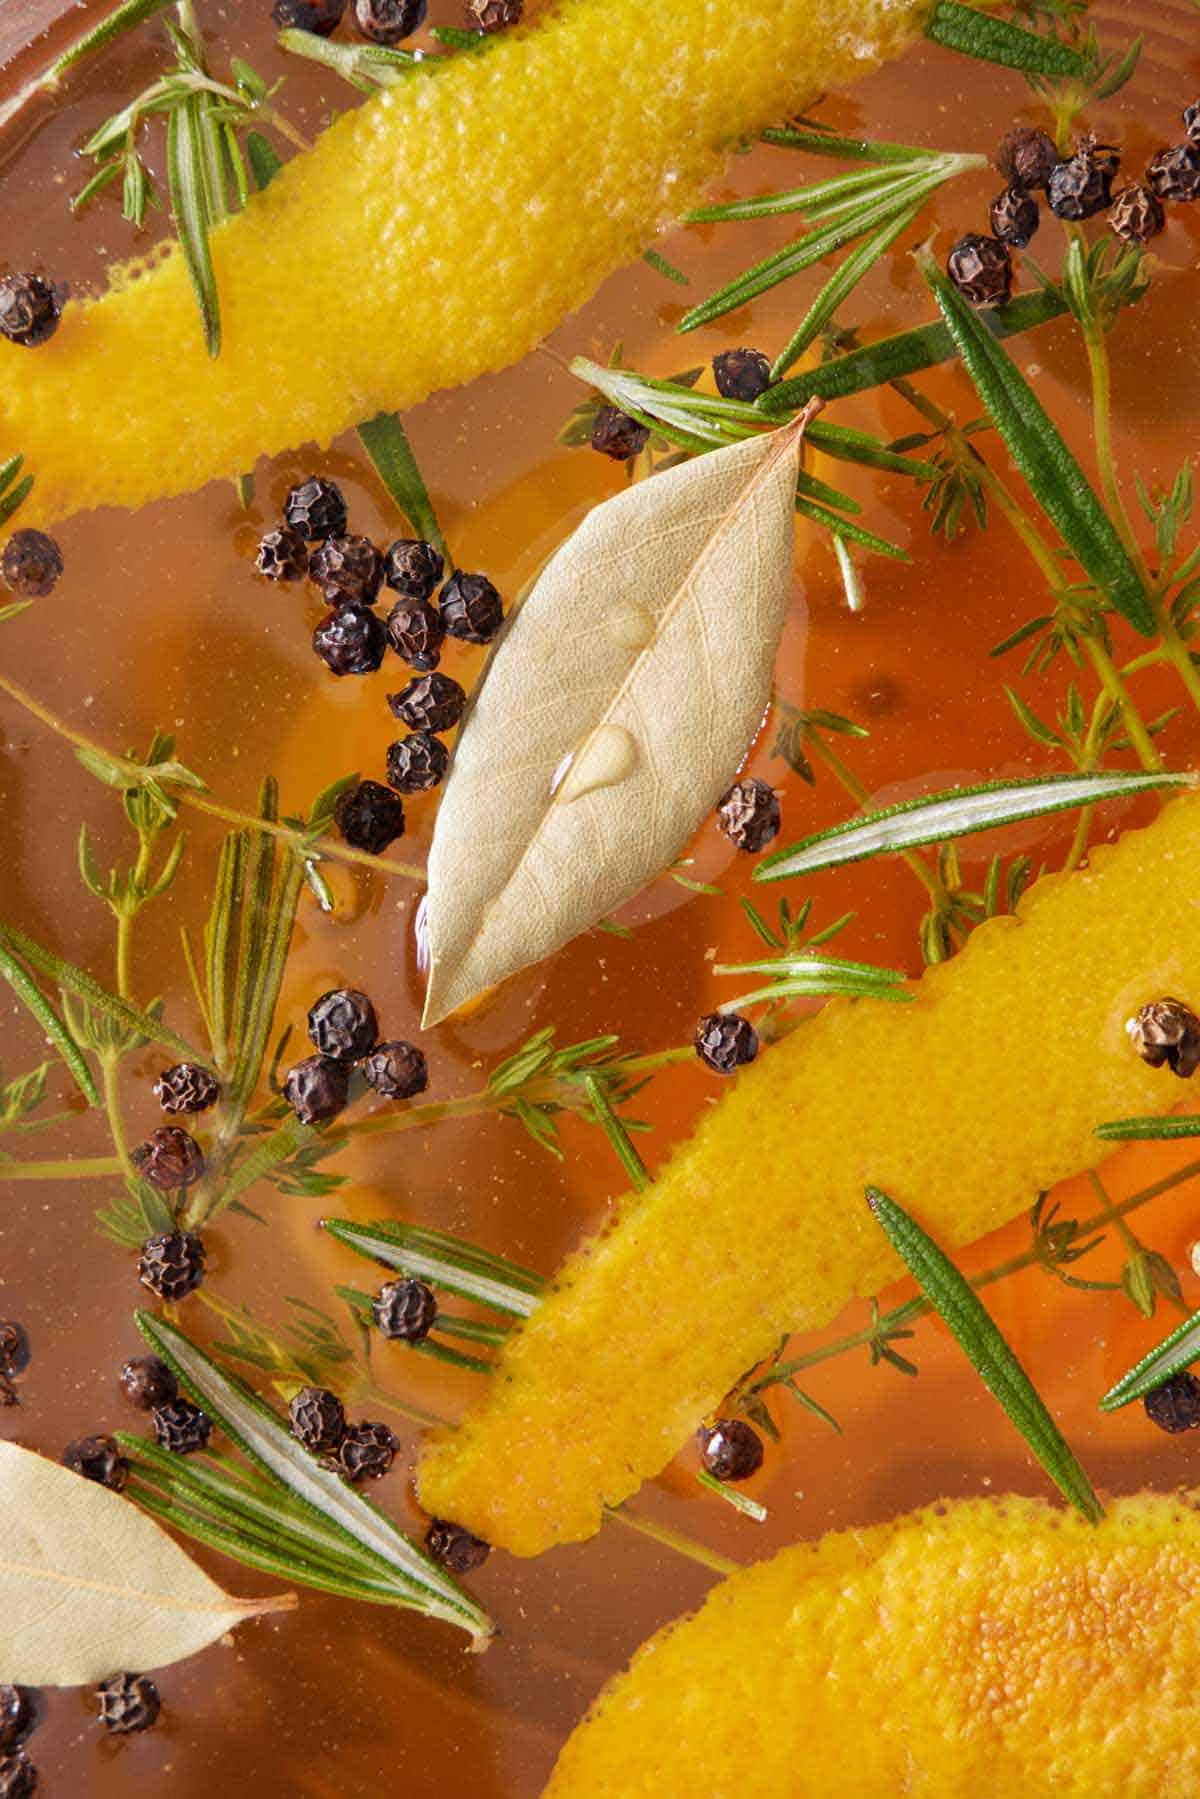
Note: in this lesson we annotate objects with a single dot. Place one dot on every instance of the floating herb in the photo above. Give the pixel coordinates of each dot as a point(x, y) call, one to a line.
point(444, 1261)
point(386, 443)
point(1170, 1357)
point(988, 38)
point(1149, 1130)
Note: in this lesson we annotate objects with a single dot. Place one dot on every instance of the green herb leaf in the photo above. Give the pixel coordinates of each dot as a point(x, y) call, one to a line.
point(1169, 1357)
point(844, 279)
point(812, 976)
point(445, 1262)
point(958, 812)
point(1149, 1130)
point(190, 206)
point(264, 163)
point(661, 266)
point(995, 40)
point(386, 443)
point(124, 18)
point(952, 1296)
point(121, 1012)
point(741, 1502)
point(28, 991)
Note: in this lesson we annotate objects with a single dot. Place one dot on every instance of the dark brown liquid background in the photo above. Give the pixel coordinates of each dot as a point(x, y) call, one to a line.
point(160, 621)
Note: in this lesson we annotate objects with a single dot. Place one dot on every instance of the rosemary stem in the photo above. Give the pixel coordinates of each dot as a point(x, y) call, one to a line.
point(67, 1169)
point(673, 1539)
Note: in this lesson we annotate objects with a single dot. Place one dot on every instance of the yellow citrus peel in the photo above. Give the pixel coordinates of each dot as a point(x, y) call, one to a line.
point(962, 1106)
point(437, 231)
point(992, 1646)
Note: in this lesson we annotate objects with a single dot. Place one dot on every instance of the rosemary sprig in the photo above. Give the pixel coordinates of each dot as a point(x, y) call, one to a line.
point(446, 1262)
point(1175, 1353)
point(807, 975)
point(121, 1013)
point(368, 67)
point(954, 1299)
point(99, 36)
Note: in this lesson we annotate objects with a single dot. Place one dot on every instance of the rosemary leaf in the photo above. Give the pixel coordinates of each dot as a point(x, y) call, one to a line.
point(367, 67)
point(127, 15)
point(957, 812)
point(190, 207)
point(844, 279)
point(122, 1012)
point(28, 991)
point(386, 443)
point(1150, 1130)
point(265, 164)
point(953, 1298)
point(808, 976)
point(445, 1262)
point(846, 149)
point(741, 1502)
point(661, 266)
point(1169, 1357)
point(614, 1129)
point(15, 495)
point(995, 40)
point(853, 533)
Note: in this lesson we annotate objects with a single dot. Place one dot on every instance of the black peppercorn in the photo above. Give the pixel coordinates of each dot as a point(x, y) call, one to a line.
point(417, 763)
point(170, 1157)
point(396, 1070)
point(98, 1459)
point(18, 1777)
point(181, 1426)
point(416, 633)
point(731, 1449)
point(316, 509)
point(282, 555)
point(387, 21)
point(741, 374)
point(146, 1382)
point(1175, 1406)
point(1175, 174)
point(456, 1548)
point(128, 1702)
point(494, 15)
point(430, 703)
point(471, 608)
point(348, 570)
point(14, 1347)
point(350, 640)
point(1082, 186)
point(748, 813)
point(29, 310)
point(369, 817)
point(186, 1087)
point(725, 1041)
point(1136, 215)
point(366, 1452)
point(321, 16)
point(413, 567)
point(317, 1089)
point(981, 268)
point(404, 1309)
point(1027, 157)
point(616, 435)
point(1014, 216)
point(318, 1419)
point(1191, 123)
point(17, 1717)
point(342, 1024)
point(1166, 1034)
point(32, 564)
point(172, 1264)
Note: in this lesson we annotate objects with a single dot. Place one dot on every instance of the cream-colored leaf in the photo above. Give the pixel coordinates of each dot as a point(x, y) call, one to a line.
point(89, 1585)
point(613, 714)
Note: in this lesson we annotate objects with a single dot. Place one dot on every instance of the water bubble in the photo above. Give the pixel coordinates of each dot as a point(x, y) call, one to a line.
point(608, 756)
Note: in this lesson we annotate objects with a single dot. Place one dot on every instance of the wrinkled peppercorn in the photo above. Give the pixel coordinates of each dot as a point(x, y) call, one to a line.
point(1175, 174)
point(369, 817)
point(741, 374)
point(18, 1777)
point(282, 555)
point(186, 1087)
point(417, 763)
point(616, 435)
point(146, 1382)
point(128, 1702)
point(1082, 186)
point(396, 1070)
point(1191, 123)
point(317, 1089)
point(981, 268)
point(14, 1347)
point(725, 1041)
point(348, 570)
point(1175, 1406)
point(1166, 1034)
point(316, 509)
point(404, 1309)
point(1027, 157)
point(413, 567)
point(181, 1426)
point(32, 564)
point(342, 1024)
point(321, 16)
point(494, 15)
point(455, 1547)
point(170, 1157)
point(172, 1264)
point(350, 640)
point(471, 608)
point(430, 703)
point(387, 21)
point(1014, 216)
point(29, 310)
point(731, 1449)
point(1136, 215)
point(366, 1452)
point(748, 813)
point(98, 1459)
point(318, 1419)
point(416, 633)
point(17, 1717)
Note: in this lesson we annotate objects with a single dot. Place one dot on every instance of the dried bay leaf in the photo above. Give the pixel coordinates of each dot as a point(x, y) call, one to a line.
point(615, 711)
point(89, 1585)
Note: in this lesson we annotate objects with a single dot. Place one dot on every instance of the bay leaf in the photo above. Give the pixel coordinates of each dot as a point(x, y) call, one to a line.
point(89, 1585)
point(616, 709)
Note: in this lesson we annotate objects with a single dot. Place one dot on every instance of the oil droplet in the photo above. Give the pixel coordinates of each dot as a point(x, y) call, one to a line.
point(609, 755)
point(630, 625)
